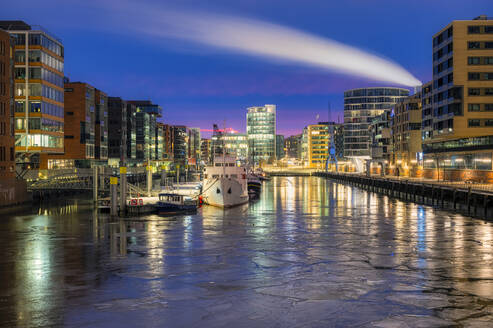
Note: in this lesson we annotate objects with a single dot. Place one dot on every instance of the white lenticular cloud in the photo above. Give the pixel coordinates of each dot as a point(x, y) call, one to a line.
point(258, 38)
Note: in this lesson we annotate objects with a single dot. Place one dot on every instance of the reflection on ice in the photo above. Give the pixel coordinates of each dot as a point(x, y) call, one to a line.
point(308, 253)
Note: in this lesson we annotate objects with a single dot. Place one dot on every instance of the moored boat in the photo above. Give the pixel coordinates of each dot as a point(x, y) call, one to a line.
point(225, 183)
point(170, 203)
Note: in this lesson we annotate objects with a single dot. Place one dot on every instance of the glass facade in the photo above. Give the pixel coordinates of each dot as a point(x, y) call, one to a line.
point(38, 73)
point(261, 132)
point(361, 106)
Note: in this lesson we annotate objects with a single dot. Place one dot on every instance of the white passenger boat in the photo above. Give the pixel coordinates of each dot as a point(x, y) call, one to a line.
point(225, 183)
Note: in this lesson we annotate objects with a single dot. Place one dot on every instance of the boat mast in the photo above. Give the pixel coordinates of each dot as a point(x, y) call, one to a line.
point(224, 150)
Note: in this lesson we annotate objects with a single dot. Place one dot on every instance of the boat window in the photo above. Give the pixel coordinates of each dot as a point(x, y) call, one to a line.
point(218, 191)
point(217, 164)
point(226, 176)
point(231, 164)
point(229, 191)
point(215, 176)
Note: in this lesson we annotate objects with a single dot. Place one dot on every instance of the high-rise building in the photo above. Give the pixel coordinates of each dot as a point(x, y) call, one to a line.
point(168, 142)
point(360, 107)
point(117, 130)
point(12, 190)
point(38, 73)
point(194, 146)
point(180, 145)
point(160, 143)
point(205, 150)
point(261, 132)
point(280, 146)
point(79, 126)
point(458, 125)
point(101, 132)
point(406, 136)
point(7, 139)
point(146, 119)
point(131, 132)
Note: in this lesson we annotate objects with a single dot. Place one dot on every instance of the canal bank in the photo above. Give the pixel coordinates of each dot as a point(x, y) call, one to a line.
point(472, 199)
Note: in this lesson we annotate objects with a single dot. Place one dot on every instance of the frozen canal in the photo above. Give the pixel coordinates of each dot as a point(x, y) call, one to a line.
point(309, 253)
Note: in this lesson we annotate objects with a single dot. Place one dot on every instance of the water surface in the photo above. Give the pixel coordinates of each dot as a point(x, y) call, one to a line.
point(308, 253)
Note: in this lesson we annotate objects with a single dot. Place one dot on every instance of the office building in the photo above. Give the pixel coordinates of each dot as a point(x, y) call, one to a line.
point(360, 107)
point(146, 114)
point(168, 142)
point(406, 136)
point(7, 138)
point(160, 143)
point(292, 145)
point(261, 132)
point(117, 131)
point(458, 142)
point(235, 144)
point(180, 145)
point(280, 153)
point(339, 140)
point(205, 151)
point(194, 146)
point(131, 141)
point(101, 126)
point(380, 142)
point(79, 126)
point(12, 190)
point(38, 73)
point(304, 147)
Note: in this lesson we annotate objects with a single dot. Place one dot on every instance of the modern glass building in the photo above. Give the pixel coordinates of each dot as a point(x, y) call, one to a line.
point(360, 107)
point(236, 144)
point(146, 114)
point(261, 133)
point(39, 98)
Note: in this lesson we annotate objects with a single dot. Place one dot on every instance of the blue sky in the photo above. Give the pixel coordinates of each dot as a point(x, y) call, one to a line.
point(198, 85)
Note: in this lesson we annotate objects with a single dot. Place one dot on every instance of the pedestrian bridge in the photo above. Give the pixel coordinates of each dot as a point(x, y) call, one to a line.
point(77, 179)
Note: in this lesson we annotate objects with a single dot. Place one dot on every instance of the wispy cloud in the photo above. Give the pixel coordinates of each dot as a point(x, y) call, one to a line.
point(257, 38)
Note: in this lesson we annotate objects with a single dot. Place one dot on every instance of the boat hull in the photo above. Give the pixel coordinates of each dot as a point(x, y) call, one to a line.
point(225, 192)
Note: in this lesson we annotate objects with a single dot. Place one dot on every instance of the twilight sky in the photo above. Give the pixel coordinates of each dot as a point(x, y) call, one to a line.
point(111, 45)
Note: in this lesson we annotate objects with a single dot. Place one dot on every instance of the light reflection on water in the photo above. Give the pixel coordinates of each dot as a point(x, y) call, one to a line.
point(304, 240)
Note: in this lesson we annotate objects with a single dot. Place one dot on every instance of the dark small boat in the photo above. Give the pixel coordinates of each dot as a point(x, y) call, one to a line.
point(175, 204)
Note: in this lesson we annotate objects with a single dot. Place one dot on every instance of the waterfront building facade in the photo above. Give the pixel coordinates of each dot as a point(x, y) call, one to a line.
point(101, 126)
point(293, 146)
point(180, 146)
point(261, 133)
point(117, 131)
point(237, 145)
point(360, 107)
point(458, 130)
point(79, 126)
point(131, 131)
point(12, 190)
point(380, 142)
point(194, 146)
point(146, 114)
point(7, 138)
point(280, 152)
point(39, 95)
point(205, 151)
point(406, 136)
